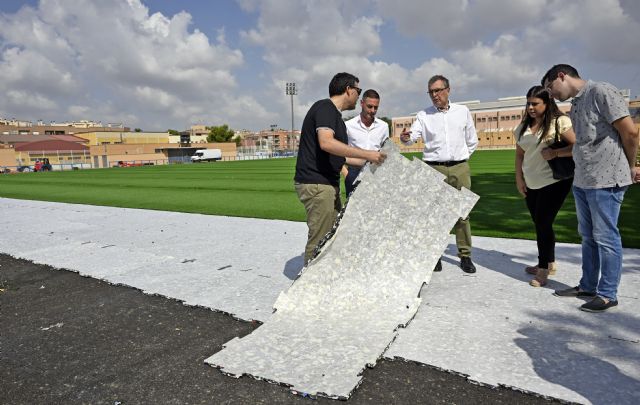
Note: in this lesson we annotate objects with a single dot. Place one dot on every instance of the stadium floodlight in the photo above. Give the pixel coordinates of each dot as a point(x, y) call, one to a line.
point(291, 90)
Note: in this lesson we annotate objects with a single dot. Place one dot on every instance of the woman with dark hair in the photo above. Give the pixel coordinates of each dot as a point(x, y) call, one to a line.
point(544, 194)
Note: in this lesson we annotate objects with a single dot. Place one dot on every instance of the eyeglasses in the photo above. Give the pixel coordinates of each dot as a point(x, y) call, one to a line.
point(358, 89)
point(433, 92)
point(550, 84)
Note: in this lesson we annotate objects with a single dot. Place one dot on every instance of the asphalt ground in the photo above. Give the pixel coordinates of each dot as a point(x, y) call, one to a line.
point(71, 339)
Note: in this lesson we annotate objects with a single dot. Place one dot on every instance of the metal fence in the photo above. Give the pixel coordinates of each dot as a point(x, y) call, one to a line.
point(58, 167)
point(249, 155)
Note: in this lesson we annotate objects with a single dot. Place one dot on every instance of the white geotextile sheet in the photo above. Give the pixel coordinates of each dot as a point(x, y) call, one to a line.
point(343, 311)
point(491, 325)
point(203, 260)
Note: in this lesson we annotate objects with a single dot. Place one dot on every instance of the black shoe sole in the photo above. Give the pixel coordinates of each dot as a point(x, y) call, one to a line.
point(574, 293)
point(598, 310)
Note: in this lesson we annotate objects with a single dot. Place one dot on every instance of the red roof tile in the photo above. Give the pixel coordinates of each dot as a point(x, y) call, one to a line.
point(50, 145)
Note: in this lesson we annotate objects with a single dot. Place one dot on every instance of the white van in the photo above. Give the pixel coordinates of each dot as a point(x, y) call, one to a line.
point(206, 155)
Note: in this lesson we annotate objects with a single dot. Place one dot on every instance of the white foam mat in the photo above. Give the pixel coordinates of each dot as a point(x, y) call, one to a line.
point(498, 330)
point(491, 326)
point(343, 311)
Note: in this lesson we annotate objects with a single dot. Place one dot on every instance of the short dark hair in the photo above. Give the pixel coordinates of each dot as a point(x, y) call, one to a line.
point(371, 93)
point(439, 77)
point(340, 82)
point(552, 74)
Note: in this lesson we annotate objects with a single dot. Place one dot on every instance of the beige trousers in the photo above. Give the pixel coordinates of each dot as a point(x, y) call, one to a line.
point(322, 203)
point(459, 176)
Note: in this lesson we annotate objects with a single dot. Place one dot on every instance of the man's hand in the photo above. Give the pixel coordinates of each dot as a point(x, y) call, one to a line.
point(405, 136)
point(635, 174)
point(376, 157)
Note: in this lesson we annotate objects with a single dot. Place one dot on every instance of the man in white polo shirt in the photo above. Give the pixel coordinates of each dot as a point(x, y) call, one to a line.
point(449, 140)
point(365, 131)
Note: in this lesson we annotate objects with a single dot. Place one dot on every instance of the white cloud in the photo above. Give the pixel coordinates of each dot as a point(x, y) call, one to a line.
point(604, 30)
point(302, 33)
point(459, 24)
point(113, 60)
point(80, 52)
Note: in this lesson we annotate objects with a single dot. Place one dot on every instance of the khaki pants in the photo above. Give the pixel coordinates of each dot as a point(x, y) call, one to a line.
point(322, 203)
point(459, 176)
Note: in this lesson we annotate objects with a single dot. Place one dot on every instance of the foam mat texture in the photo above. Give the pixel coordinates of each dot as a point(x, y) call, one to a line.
point(344, 310)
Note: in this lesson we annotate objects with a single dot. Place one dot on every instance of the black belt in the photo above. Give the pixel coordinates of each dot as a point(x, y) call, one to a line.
point(448, 164)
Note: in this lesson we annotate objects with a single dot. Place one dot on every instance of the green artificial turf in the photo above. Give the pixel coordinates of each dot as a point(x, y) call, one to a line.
point(258, 188)
point(264, 189)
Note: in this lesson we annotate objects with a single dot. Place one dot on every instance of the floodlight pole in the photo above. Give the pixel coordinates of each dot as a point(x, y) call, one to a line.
point(292, 91)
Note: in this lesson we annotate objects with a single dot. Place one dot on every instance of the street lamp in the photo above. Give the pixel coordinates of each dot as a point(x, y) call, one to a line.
point(292, 91)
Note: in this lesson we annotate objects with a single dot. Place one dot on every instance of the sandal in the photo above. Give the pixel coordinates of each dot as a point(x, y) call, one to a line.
point(540, 279)
point(533, 270)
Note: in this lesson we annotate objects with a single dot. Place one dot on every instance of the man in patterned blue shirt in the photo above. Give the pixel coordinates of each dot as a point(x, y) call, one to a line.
point(605, 156)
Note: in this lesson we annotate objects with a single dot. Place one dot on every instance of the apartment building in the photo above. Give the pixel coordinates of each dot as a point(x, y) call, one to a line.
point(276, 140)
point(22, 127)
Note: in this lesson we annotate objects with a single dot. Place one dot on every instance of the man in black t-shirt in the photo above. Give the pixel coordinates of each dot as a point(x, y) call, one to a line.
point(321, 155)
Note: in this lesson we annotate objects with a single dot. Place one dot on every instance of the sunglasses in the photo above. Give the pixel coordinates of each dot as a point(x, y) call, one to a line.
point(358, 89)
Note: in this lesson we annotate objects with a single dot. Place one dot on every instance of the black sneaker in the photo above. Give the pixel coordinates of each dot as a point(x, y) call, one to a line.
point(467, 265)
point(573, 292)
point(438, 266)
point(598, 304)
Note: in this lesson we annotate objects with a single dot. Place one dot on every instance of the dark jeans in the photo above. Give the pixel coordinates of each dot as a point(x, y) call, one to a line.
point(544, 204)
point(351, 177)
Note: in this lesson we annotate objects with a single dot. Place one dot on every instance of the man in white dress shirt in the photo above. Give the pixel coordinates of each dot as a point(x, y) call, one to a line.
point(365, 131)
point(449, 140)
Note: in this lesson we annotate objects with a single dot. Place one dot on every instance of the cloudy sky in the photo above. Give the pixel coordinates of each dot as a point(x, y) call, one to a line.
point(159, 64)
